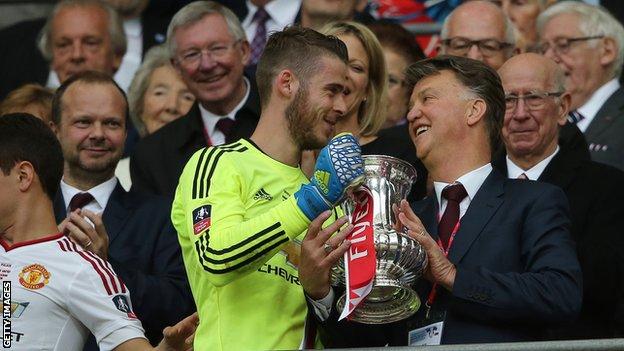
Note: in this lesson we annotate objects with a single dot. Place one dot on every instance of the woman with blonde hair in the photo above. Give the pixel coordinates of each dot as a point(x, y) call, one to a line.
point(366, 95)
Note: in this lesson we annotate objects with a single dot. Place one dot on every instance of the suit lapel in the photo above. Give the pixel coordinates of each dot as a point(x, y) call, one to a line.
point(484, 205)
point(117, 212)
point(607, 114)
point(561, 170)
point(60, 212)
point(426, 210)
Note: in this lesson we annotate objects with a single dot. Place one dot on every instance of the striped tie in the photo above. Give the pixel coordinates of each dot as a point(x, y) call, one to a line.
point(574, 117)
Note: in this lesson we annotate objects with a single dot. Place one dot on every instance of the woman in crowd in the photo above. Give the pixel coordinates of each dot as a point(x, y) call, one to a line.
point(366, 97)
point(400, 50)
point(157, 96)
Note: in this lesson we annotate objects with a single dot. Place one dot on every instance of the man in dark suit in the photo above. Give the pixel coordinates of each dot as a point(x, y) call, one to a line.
point(588, 44)
point(132, 231)
point(501, 263)
point(23, 59)
point(594, 190)
point(209, 49)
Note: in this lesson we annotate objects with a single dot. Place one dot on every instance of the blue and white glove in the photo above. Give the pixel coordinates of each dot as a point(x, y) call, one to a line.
point(339, 167)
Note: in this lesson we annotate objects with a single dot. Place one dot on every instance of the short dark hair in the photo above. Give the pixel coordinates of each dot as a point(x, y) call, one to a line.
point(298, 49)
point(24, 137)
point(480, 80)
point(89, 77)
point(395, 37)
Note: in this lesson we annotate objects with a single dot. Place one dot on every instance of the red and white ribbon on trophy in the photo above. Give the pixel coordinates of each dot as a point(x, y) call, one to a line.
point(360, 260)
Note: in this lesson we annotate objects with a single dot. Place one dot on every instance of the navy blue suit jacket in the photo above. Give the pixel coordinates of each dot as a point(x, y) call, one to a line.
point(144, 251)
point(516, 270)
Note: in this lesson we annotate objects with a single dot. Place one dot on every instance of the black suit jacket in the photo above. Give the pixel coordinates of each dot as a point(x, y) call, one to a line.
point(159, 158)
point(144, 252)
point(595, 192)
point(21, 61)
point(517, 270)
point(604, 133)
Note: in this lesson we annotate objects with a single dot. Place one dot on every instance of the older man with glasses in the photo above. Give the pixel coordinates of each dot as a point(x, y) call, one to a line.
point(209, 49)
point(536, 105)
point(588, 44)
point(478, 30)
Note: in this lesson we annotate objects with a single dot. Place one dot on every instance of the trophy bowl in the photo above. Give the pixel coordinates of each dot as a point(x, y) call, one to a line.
point(400, 259)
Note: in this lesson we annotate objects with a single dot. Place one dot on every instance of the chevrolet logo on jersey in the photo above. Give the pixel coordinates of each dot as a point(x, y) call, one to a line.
point(201, 219)
point(322, 178)
point(17, 308)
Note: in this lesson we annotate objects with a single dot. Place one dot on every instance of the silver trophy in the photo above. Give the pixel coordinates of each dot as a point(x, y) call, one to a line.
point(400, 259)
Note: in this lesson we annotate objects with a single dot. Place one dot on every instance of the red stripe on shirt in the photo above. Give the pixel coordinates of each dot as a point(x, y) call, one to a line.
point(82, 254)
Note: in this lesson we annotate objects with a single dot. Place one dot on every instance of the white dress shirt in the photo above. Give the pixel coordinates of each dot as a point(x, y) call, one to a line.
point(471, 181)
point(533, 173)
point(282, 13)
point(101, 193)
point(210, 119)
point(130, 62)
point(595, 102)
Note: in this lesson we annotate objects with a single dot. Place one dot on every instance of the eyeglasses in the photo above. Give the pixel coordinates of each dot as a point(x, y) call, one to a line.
point(461, 46)
point(533, 101)
point(562, 45)
point(216, 51)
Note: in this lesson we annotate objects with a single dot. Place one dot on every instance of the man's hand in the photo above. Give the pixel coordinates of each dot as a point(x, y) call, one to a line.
point(81, 232)
point(439, 270)
point(181, 335)
point(319, 252)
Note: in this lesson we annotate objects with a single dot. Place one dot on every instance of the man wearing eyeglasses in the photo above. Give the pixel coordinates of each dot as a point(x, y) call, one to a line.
point(209, 49)
point(588, 44)
point(478, 30)
point(536, 105)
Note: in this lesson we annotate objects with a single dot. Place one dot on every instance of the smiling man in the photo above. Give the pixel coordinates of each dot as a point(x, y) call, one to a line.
point(501, 263)
point(132, 231)
point(208, 48)
point(588, 44)
point(241, 209)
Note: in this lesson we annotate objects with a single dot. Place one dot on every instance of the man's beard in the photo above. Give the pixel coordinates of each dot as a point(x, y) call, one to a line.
point(301, 122)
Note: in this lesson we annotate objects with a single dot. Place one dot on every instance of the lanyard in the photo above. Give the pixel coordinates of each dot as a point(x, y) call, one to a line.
point(434, 289)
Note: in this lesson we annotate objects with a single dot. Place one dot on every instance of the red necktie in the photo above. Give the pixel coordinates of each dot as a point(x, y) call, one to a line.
point(454, 194)
point(79, 200)
point(224, 125)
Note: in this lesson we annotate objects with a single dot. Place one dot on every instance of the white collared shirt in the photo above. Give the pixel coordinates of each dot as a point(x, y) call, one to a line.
point(130, 62)
point(282, 13)
point(471, 181)
point(210, 119)
point(101, 193)
point(595, 102)
point(533, 173)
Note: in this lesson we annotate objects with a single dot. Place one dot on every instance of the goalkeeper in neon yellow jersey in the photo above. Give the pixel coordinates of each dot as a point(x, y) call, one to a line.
point(242, 210)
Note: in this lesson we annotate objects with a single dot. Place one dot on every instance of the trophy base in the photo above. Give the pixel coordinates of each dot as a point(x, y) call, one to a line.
point(386, 303)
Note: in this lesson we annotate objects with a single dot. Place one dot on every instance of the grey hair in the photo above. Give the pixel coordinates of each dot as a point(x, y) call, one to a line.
point(115, 27)
point(196, 11)
point(156, 57)
point(510, 35)
point(593, 20)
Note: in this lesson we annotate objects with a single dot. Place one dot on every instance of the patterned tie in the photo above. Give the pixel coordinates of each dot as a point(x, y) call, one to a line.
point(260, 38)
point(79, 201)
point(454, 194)
point(224, 125)
point(574, 117)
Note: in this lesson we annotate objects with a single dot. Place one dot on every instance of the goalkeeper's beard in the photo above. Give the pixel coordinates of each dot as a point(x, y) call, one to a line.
point(303, 120)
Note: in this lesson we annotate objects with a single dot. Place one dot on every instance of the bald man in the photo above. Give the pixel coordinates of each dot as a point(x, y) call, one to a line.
point(536, 107)
point(478, 30)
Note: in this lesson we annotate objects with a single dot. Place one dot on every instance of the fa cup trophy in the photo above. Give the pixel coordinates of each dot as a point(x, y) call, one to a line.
point(400, 260)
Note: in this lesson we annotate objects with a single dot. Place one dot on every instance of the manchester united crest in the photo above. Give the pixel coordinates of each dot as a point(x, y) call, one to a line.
point(34, 276)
